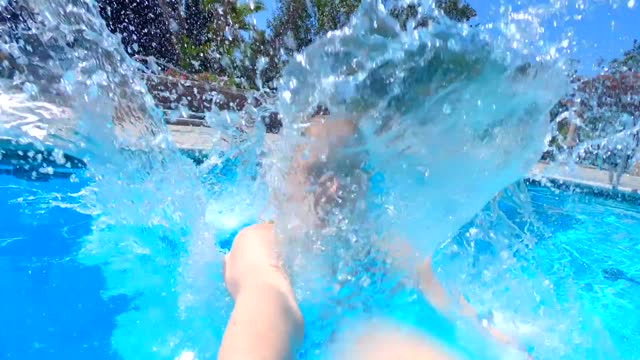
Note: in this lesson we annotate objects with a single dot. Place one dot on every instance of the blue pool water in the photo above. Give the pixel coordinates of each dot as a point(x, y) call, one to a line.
point(589, 235)
point(53, 308)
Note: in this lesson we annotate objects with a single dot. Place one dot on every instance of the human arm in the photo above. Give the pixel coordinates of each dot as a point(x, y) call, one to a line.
point(435, 292)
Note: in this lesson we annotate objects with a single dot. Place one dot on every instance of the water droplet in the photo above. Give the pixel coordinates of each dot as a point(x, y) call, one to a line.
point(46, 170)
point(30, 89)
point(631, 4)
point(187, 355)
point(446, 109)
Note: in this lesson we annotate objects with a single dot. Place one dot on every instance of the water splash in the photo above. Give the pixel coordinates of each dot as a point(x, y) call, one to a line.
point(510, 265)
point(442, 117)
point(415, 114)
point(150, 235)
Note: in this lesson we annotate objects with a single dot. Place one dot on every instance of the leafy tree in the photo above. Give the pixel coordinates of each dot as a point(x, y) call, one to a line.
point(261, 62)
point(453, 9)
point(297, 23)
point(143, 26)
point(604, 103)
point(197, 36)
point(333, 14)
point(293, 26)
point(457, 10)
point(217, 36)
point(404, 14)
point(630, 60)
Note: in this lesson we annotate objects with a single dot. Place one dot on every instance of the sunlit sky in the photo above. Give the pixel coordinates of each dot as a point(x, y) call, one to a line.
point(605, 29)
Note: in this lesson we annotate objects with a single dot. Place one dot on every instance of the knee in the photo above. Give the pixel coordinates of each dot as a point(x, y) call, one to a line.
point(256, 230)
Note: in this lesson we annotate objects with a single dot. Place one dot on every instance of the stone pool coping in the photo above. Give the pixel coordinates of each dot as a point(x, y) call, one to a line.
point(584, 176)
point(196, 141)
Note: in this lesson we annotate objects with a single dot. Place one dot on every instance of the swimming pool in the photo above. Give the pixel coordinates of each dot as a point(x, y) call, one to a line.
point(53, 308)
point(596, 234)
point(51, 305)
point(124, 264)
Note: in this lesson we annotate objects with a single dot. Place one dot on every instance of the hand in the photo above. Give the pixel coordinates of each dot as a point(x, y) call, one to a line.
point(254, 261)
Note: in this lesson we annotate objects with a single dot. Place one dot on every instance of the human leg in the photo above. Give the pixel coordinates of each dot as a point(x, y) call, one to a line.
point(382, 340)
point(266, 322)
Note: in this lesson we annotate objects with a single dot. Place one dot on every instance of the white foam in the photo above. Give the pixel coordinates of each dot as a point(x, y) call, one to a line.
point(187, 355)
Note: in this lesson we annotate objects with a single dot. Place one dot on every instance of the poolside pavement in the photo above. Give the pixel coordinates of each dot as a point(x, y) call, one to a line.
point(200, 139)
point(582, 175)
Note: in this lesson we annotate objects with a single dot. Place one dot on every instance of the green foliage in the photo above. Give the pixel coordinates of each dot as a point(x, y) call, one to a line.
point(192, 55)
point(293, 26)
point(457, 10)
point(223, 51)
point(243, 11)
point(601, 101)
point(630, 60)
point(238, 53)
point(298, 22)
point(260, 62)
point(404, 14)
point(453, 9)
point(333, 14)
